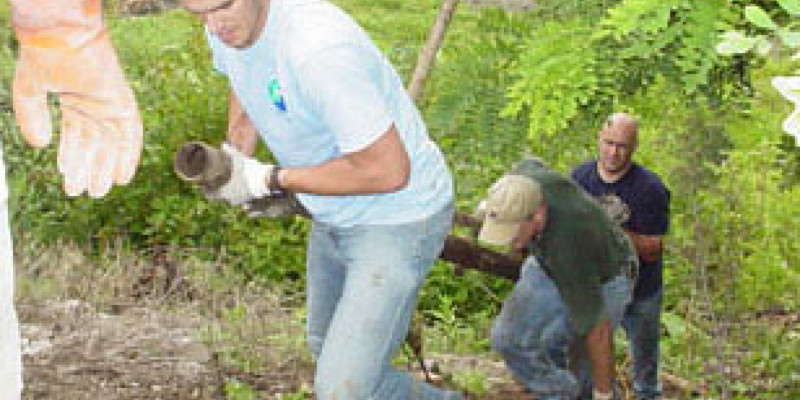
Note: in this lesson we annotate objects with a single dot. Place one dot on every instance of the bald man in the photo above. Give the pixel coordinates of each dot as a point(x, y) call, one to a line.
point(638, 200)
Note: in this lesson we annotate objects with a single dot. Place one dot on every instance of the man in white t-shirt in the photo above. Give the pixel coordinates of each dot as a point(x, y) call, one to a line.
point(352, 146)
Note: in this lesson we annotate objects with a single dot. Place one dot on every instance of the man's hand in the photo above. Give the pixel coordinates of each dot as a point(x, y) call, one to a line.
point(249, 179)
point(648, 247)
point(65, 50)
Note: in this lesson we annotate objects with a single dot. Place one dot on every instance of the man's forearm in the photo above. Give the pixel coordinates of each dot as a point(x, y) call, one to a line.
point(382, 167)
point(599, 346)
point(242, 134)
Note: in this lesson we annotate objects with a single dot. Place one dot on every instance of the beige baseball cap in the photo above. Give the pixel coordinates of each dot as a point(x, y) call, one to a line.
point(511, 200)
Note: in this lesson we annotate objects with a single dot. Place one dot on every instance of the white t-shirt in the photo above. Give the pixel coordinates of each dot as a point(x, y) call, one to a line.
point(316, 87)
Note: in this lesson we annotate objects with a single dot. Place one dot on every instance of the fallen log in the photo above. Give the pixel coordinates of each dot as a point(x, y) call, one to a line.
point(467, 255)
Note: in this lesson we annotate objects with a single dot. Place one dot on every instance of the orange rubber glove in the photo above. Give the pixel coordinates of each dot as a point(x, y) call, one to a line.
point(65, 50)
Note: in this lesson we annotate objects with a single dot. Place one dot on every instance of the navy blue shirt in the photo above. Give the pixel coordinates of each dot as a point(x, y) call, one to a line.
point(647, 201)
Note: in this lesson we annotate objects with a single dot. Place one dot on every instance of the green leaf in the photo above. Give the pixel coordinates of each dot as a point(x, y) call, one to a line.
point(791, 6)
point(790, 38)
point(675, 324)
point(763, 45)
point(734, 42)
point(758, 17)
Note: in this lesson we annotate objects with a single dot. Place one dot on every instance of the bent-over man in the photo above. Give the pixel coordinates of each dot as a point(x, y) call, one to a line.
point(573, 287)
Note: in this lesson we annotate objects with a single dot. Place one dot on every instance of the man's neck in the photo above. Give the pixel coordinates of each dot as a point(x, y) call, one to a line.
point(262, 23)
point(612, 177)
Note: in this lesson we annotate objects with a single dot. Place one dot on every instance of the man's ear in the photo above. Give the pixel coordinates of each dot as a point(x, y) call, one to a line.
point(541, 213)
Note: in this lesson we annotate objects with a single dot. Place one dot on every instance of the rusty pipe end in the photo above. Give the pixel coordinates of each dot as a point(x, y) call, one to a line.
point(200, 163)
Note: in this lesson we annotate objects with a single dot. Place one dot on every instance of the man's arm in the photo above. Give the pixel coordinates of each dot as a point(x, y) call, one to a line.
point(242, 133)
point(599, 346)
point(648, 247)
point(381, 167)
point(652, 220)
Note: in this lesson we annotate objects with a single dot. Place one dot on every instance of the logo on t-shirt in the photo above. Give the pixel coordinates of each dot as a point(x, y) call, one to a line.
point(615, 207)
point(276, 94)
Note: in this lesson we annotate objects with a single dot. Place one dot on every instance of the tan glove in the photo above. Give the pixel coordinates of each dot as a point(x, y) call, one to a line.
point(65, 50)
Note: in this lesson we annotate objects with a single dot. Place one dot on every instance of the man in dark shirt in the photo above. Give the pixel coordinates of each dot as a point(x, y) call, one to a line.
point(578, 292)
point(639, 201)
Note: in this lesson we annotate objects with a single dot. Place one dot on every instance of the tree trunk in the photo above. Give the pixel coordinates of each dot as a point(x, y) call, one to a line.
point(428, 53)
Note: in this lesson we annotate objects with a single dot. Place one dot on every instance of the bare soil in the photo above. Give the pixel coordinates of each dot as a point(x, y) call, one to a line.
point(71, 351)
point(77, 350)
point(74, 352)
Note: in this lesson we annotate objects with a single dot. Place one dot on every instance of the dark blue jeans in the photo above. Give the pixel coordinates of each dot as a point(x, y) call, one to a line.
point(642, 327)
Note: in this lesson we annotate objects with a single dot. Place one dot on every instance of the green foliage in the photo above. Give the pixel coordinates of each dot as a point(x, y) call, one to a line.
point(736, 42)
point(673, 38)
point(235, 390)
point(639, 17)
point(457, 331)
point(791, 6)
point(464, 98)
point(756, 254)
point(472, 382)
point(554, 85)
point(614, 56)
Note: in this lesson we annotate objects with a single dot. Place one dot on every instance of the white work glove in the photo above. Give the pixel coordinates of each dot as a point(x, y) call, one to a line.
point(249, 179)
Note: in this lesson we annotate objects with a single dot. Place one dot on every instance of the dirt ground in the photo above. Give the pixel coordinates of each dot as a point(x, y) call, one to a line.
point(159, 326)
point(151, 327)
point(165, 325)
point(74, 352)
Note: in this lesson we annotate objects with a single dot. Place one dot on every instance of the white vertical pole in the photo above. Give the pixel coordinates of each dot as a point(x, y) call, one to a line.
point(10, 344)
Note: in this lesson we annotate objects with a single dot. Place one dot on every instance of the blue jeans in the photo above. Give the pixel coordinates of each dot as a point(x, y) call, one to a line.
point(363, 284)
point(533, 333)
point(642, 324)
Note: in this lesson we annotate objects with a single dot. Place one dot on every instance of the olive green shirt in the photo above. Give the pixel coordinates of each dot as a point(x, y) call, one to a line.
point(580, 247)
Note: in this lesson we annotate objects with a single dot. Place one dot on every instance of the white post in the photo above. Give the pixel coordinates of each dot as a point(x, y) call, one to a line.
point(10, 344)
